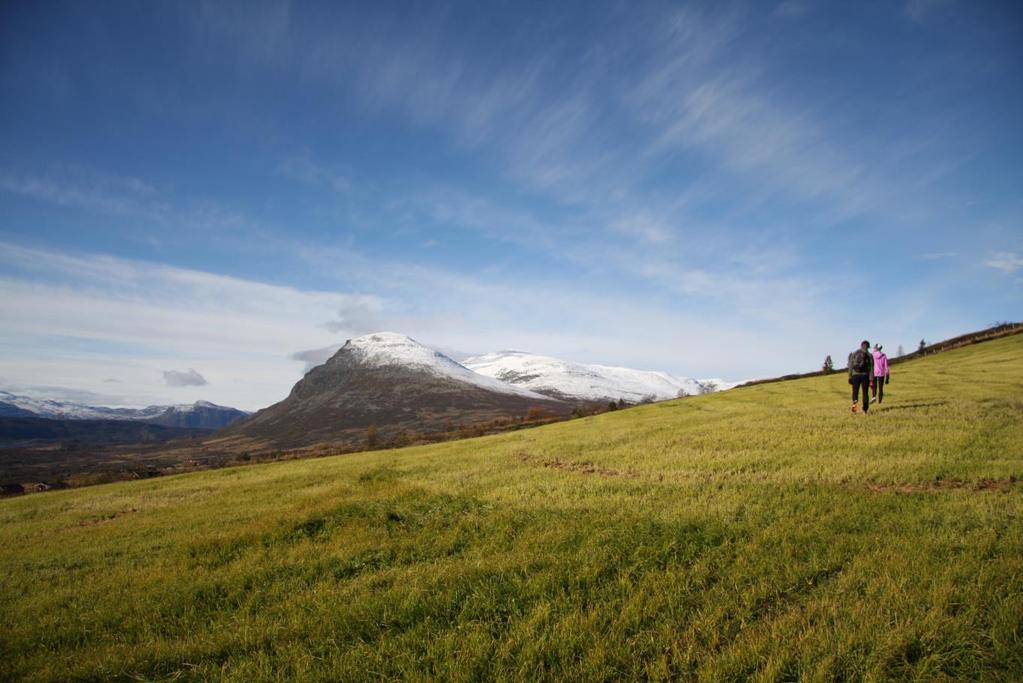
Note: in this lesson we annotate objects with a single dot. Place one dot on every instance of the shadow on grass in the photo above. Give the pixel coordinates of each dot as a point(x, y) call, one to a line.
point(907, 406)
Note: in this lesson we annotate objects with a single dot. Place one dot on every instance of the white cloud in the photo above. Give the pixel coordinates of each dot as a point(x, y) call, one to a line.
point(314, 357)
point(1006, 261)
point(140, 318)
point(183, 378)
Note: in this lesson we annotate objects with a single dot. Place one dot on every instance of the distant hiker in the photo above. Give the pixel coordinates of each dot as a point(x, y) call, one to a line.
point(881, 374)
point(861, 369)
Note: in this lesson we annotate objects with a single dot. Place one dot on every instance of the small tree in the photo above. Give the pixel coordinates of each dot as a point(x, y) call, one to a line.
point(923, 345)
point(900, 352)
point(612, 406)
point(535, 413)
point(681, 393)
point(621, 403)
point(829, 366)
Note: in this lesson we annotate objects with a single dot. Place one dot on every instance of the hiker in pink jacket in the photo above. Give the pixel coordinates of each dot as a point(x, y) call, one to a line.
point(881, 375)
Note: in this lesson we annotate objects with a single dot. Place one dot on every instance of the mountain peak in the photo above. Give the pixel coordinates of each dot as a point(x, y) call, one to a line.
point(391, 348)
point(382, 339)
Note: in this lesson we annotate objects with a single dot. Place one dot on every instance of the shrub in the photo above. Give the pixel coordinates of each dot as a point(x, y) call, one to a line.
point(535, 413)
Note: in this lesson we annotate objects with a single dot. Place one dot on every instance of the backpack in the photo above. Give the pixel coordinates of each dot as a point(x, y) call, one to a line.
point(858, 361)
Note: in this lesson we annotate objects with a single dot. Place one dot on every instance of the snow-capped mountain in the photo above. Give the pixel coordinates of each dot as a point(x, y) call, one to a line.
point(392, 383)
point(199, 414)
point(383, 349)
point(67, 410)
point(587, 382)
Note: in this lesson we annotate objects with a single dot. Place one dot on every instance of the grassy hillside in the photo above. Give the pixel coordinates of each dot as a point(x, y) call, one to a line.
point(762, 533)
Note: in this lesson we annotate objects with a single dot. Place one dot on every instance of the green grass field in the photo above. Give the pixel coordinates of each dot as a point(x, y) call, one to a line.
point(763, 533)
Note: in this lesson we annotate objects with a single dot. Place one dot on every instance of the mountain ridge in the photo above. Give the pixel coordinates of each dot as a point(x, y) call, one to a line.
point(200, 414)
point(569, 380)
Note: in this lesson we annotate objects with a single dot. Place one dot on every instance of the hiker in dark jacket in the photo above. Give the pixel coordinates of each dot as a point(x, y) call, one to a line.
point(861, 369)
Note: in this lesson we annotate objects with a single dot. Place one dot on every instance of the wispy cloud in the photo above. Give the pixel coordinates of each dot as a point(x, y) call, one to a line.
point(644, 226)
point(166, 316)
point(786, 150)
point(791, 8)
point(919, 10)
point(259, 30)
point(586, 131)
point(133, 199)
point(1006, 261)
point(87, 189)
point(314, 357)
point(358, 317)
point(305, 170)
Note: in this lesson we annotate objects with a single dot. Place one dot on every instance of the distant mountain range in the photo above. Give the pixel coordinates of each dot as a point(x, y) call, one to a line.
point(198, 415)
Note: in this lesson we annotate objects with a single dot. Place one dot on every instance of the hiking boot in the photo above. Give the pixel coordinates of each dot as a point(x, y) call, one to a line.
point(854, 409)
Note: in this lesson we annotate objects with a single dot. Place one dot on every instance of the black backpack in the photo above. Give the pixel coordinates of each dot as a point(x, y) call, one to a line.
point(858, 362)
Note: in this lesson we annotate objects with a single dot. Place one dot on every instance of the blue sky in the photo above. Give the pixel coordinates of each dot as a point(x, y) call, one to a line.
point(711, 189)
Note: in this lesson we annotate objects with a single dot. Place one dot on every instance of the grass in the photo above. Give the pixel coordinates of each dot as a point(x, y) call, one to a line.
point(761, 534)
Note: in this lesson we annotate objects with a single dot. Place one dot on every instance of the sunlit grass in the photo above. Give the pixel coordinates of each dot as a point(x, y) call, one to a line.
point(762, 533)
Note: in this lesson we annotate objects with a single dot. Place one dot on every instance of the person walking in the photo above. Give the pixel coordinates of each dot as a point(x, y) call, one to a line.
point(861, 369)
point(881, 374)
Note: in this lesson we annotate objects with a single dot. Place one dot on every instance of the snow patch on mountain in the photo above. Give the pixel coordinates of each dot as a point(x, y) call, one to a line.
point(67, 410)
point(383, 349)
point(589, 382)
point(716, 384)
